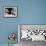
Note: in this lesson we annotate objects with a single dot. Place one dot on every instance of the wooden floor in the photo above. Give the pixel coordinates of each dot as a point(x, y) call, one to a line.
point(30, 43)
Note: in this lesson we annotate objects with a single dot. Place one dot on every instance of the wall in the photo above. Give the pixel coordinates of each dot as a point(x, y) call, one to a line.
point(29, 12)
point(7, 25)
point(32, 11)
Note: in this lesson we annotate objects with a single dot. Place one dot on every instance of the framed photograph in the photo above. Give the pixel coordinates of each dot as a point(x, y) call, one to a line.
point(31, 32)
point(10, 11)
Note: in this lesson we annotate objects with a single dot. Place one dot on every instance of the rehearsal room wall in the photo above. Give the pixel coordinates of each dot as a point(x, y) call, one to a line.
point(29, 12)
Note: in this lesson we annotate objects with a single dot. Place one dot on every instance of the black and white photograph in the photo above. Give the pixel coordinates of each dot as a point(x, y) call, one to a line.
point(10, 11)
point(33, 32)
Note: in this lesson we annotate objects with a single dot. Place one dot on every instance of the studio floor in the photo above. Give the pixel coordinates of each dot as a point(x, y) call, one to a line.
point(34, 43)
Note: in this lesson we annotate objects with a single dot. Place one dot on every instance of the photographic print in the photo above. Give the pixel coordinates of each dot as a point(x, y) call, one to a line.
point(10, 11)
point(33, 32)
